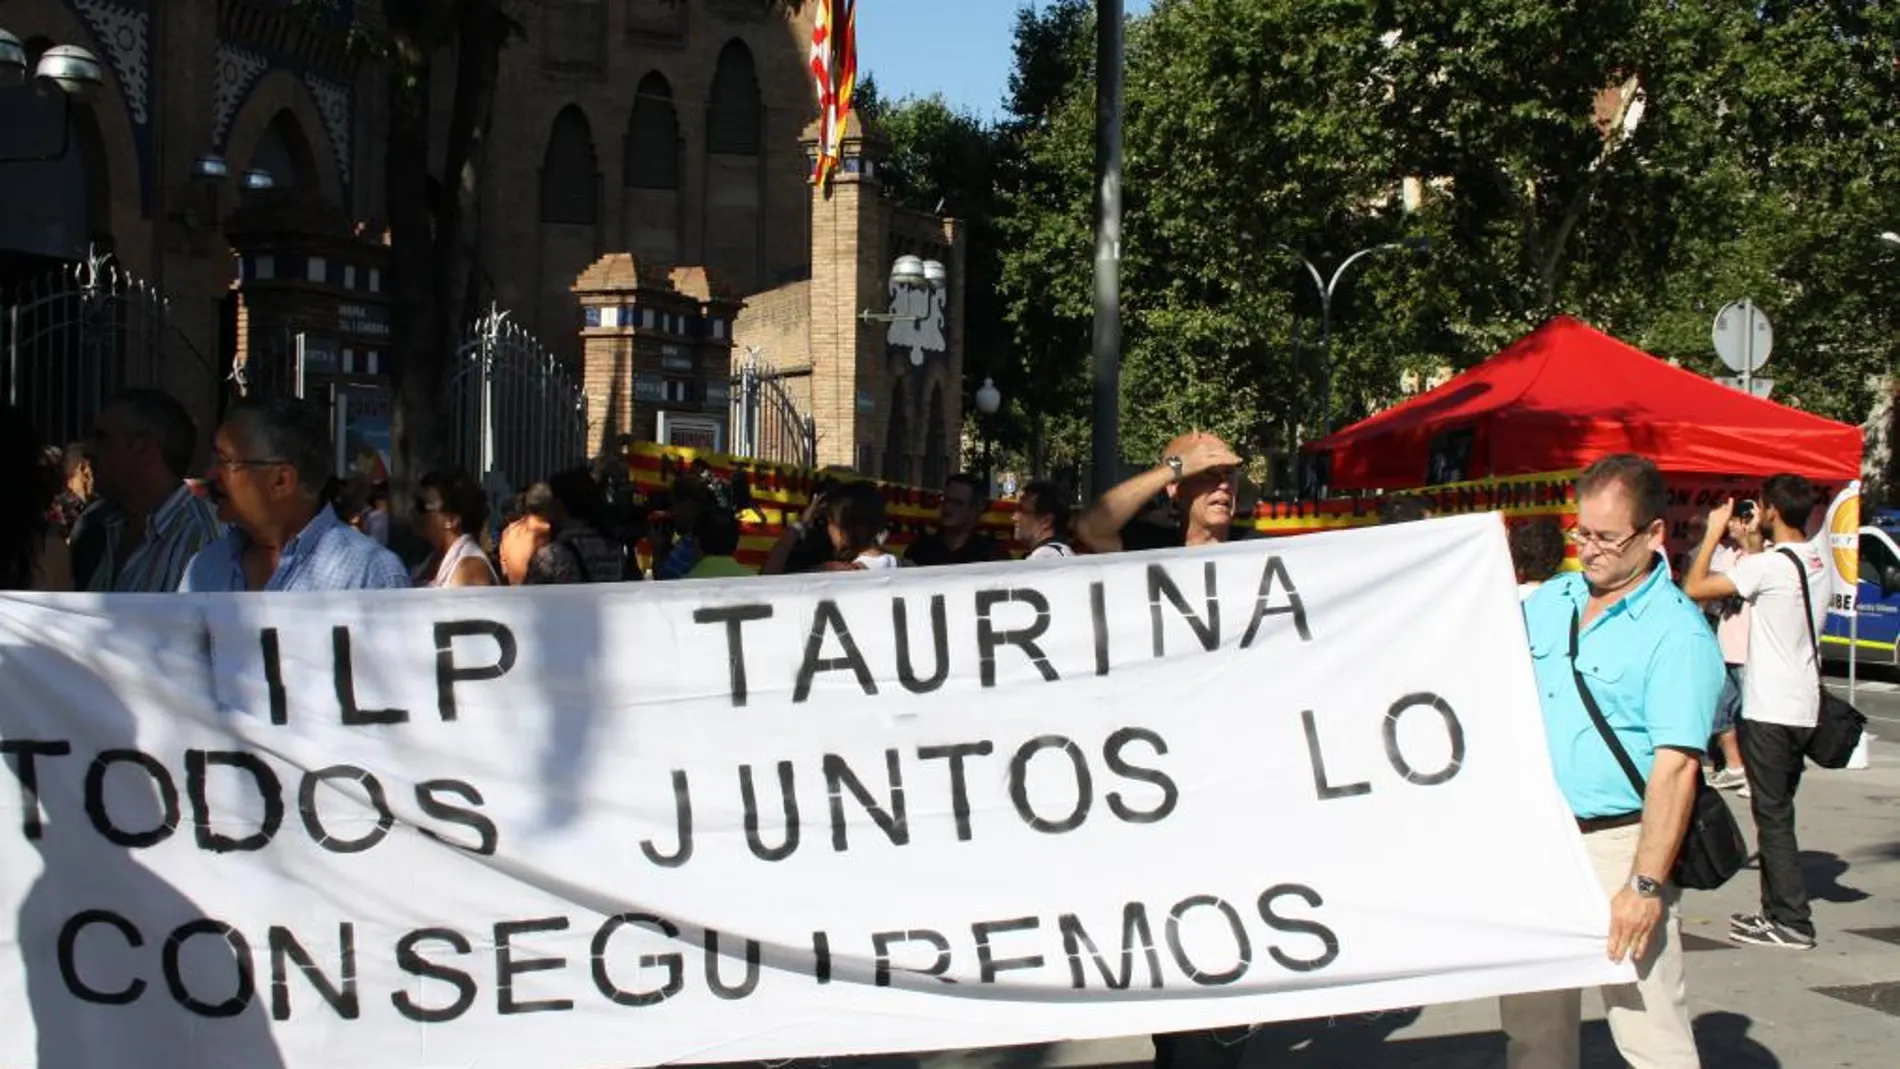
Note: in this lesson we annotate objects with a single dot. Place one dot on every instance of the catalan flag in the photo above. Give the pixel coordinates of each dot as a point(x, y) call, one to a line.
point(828, 123)
point(847, 52)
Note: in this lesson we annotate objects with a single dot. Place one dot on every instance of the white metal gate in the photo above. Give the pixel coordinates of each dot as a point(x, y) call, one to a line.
point(77, 334)
point(514, 409)
point(766, 422)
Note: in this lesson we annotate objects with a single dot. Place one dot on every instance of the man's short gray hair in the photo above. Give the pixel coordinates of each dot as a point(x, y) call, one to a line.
point(287, 429)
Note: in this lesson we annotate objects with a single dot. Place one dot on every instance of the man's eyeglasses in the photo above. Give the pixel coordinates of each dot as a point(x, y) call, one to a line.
point(244, 462)
point(1592, 540)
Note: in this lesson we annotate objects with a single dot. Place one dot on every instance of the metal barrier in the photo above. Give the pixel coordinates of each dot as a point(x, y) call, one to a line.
point(74, 336)
point(766, 421)
point(513, 408)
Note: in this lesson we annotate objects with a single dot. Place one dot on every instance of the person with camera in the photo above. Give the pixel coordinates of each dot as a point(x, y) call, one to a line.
point(806, 544)
point(1787, 591)
point(1740, 540)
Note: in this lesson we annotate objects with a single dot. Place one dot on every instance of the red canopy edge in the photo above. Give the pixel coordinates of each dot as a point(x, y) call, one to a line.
point(1567, 394)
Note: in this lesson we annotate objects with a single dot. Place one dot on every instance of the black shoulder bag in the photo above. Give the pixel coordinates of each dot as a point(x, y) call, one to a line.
point(1712, 847)
point(1838, 727)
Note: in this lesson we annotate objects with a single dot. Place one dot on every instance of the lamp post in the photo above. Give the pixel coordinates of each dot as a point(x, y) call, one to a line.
point(68, 71)
point(1326, 287)
point(1105, 347)
point(910, 275)
point(988, 400)
point(1891, 238)
point(208, 174)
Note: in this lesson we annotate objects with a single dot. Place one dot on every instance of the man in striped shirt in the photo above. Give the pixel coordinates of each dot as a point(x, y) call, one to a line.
point(269, 463)
point(147, 524)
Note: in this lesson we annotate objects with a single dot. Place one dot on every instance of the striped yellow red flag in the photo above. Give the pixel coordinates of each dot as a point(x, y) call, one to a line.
point(847, 52)
point(821, 50)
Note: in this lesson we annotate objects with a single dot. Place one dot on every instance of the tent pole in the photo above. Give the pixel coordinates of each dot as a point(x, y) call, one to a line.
point(1853, 653)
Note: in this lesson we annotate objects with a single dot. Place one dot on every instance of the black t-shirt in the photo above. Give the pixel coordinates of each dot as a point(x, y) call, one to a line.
point(931, 550)
point(1140, 535)
point(811, 552)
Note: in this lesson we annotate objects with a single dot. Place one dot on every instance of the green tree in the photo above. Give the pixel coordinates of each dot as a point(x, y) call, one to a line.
point(1045, 228)
point(1632, 163)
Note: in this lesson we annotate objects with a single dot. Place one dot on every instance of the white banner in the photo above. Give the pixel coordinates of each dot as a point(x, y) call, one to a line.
point(700, 821)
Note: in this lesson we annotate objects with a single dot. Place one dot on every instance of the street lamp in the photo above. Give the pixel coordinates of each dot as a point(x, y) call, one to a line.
point(68, 70)
point(1891, 238)
point(1326, 287)
point(208, 173)
point(988, 400)
point(910, 274)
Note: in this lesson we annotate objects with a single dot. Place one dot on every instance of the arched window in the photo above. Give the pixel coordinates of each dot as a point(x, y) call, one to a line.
point(90, 141)
point(735, 115)
point(934, 473)
point(897, 440)
point(653, 137)
point(284, 151)
point(570, 184)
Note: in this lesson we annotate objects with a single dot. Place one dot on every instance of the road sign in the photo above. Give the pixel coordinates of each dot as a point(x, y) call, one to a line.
point(1759, 387)
point(1743, 337)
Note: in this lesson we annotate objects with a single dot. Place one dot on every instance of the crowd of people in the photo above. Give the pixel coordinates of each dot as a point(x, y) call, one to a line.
point(1723, 664)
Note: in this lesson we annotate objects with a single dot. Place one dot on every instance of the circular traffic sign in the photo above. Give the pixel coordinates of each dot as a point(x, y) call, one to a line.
point(1743, 337)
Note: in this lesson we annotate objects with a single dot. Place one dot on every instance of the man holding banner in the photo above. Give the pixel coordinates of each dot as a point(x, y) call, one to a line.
point(1622, 657)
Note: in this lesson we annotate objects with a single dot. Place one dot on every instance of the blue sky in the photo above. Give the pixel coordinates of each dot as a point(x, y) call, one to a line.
point(960, 48)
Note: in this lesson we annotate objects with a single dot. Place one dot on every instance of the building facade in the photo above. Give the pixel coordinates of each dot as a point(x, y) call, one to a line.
point(669, 138)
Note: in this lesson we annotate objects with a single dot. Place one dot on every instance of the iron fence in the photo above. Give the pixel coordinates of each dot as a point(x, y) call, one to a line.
point(514, 409)
point(76, 335)
point(766, 422)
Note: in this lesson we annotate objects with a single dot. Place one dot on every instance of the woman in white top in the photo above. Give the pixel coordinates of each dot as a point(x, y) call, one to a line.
point(1042, 520)
point(854, 518)
point(450, 508)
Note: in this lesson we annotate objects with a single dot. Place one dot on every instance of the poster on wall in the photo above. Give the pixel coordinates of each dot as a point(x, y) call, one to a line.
point(363, 436)
point(691, 432)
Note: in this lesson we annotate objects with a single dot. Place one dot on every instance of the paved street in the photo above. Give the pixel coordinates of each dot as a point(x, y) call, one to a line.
point(1835, 1006)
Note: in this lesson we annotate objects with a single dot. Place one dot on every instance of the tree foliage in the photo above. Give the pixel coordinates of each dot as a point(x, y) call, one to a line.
point(1632, 163)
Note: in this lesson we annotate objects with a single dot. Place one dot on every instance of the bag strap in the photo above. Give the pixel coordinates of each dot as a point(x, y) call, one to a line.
point(1596, 714)
point(1807, 613)
point(580, 560)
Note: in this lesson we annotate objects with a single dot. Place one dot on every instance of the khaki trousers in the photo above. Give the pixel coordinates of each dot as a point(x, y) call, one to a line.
point(1649, 1019)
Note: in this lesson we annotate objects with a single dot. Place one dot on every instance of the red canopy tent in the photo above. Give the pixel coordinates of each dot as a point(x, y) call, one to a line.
point(1566, 394)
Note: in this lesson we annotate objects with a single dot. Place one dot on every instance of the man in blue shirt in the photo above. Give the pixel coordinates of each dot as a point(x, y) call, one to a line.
point(269, 463)
point(1653, 668)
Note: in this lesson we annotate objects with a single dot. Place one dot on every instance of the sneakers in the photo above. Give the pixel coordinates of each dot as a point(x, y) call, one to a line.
point(1728, 779)
point(1744, 792)
point(1754, 929)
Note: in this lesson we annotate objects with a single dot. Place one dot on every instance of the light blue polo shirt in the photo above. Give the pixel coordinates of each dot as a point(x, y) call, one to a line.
point(1655, 670)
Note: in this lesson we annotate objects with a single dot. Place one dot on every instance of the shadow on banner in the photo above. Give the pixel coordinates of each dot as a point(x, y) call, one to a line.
point(97, 928)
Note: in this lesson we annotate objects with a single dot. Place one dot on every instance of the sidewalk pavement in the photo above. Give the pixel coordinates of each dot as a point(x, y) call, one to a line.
point(1837, 1005)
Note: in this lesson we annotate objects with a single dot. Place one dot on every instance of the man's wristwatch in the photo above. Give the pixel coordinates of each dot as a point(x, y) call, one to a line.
point(1645, 887)
point(1174, 465)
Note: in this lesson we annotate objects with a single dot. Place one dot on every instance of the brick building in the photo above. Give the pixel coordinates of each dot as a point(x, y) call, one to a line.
point(887, 394)
point(231, 170)
point(668, 129)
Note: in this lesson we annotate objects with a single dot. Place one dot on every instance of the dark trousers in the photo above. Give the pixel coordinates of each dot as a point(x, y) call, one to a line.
point(1772, 754)
point(1215, 1048)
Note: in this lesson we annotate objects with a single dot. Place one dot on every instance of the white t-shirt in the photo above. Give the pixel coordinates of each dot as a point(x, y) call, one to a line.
point(1780, 686)
point(1050, 549)
point(875, 562)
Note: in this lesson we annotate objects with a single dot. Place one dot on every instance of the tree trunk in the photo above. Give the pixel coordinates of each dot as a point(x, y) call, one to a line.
point(417, 367)
point(458, 231)
point(434, 239)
